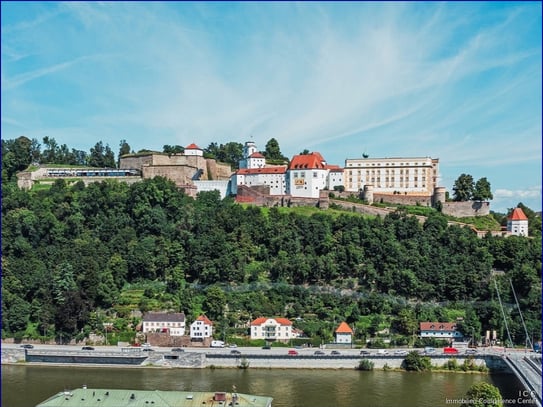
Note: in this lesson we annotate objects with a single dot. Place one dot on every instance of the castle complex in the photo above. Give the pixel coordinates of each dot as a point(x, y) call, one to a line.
point(306, 180)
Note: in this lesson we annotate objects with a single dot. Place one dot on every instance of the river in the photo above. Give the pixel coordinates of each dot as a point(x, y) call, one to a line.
point(26, 386)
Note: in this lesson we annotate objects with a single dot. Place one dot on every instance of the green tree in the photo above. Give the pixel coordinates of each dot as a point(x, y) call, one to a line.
point(463, 188)
point(214, 303)
point(482, 191)
point(414, 361)
point(124, 149)
point(273, 152)
point(483, 394)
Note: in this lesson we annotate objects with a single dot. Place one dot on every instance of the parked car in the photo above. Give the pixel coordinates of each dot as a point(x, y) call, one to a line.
point(400, 353)
point(318, 353)
point(365, 352)
point(235, 352)
point(292, 352)
point(429, 350)
point(177, 350)
point(383, 352)
point(233, 346)
point(27, 346)
point(87, 348)
point(266, 347)
point(335, 353)
point(148, 350)
point(450, 351)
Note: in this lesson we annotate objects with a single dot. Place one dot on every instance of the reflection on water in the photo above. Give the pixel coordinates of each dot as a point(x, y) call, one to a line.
point(26, 386)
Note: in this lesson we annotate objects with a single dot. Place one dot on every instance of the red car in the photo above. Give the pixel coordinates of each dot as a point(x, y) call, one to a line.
point(450, 351)
point(292, 352)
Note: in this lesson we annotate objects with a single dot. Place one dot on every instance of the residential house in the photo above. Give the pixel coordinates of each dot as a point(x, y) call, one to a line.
point(271, 329)
point(165, 322)
point(201, 328)
point(440, 330)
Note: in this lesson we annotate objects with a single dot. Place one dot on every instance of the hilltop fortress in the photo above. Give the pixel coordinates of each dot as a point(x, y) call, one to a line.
point(307, 180)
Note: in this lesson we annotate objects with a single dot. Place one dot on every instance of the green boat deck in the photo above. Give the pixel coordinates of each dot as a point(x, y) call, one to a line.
point(86, 397)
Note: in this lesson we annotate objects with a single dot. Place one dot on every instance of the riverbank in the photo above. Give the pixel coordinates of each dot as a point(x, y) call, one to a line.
point(215, 360)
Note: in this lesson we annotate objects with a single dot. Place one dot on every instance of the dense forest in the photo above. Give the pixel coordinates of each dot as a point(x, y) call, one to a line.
point(72, 254)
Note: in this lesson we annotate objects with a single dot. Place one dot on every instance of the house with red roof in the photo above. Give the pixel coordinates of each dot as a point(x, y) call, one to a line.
point(344, 333)
point(272, 329)
point(440, 330)
point(307, 175)
point(517, 223)
point(201, 328)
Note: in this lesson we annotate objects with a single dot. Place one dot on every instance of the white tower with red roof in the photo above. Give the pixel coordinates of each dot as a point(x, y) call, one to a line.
point(517, 223)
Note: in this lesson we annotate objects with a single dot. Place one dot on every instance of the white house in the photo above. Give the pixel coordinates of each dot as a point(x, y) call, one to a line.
point(201, 328)
point(440, 330)
point(344, 333)
point(307, 175)
point(273, 177)
point(517, 223)
point(167, 322)
point(271, 329)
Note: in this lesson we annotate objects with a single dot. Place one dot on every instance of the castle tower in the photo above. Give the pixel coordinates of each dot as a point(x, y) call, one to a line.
point(368, 193)
point(517, 223)
point(439, 195)
point(248, 149)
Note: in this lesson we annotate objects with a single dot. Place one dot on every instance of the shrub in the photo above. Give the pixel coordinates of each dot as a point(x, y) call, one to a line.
point(451, 364)
point(416, 362)
point(365, 365)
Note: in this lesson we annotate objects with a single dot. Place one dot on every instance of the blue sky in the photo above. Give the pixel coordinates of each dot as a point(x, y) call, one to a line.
point(456, 81)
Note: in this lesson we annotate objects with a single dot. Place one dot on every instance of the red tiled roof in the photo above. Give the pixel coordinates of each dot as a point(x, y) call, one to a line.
point(518, 214)
point(343, 328)
point(307, 161)
point(261, 320)
point(204, 319)
point(256, 155)
point(334, 168)
point(264, 170)
point(438, 326)
point(192, 146)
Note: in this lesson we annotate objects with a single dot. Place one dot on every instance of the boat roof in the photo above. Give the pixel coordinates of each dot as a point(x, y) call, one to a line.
point(87, 397)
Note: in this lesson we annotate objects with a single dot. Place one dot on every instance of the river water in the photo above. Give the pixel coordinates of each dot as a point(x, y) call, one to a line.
point(26, 386)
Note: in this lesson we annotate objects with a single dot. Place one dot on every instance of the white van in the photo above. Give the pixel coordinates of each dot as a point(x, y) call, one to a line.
point(217, 344)
point(382, 352)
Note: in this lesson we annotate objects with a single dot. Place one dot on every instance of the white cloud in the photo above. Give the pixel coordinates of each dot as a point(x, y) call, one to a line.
point(531, 192)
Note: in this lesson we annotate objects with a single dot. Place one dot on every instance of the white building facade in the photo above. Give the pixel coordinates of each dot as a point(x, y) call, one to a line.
point(201, 328)
point(517, 223)
point(164, 322)
point(271, 329)
point(307, 175)
point(403, 175)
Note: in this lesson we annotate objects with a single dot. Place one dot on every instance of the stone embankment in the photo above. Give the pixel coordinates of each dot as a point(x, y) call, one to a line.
point(197, 360)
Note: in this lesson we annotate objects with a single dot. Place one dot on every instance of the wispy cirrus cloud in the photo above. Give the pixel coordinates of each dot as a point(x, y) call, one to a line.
point(460, 82)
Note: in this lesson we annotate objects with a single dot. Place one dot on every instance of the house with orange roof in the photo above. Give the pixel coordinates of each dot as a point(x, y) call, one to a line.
point(344, 333)
point(272, 329)
point(201, 328)
point(517, 223)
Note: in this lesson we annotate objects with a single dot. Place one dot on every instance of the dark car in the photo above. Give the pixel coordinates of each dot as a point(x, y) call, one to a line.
point(177, 350)
point(87, 348)
point(27, 346)
point(235, 352)
point(148, 350)
point(365, 352)
point(266, 347)
point(335, 353)
point(318, 353)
